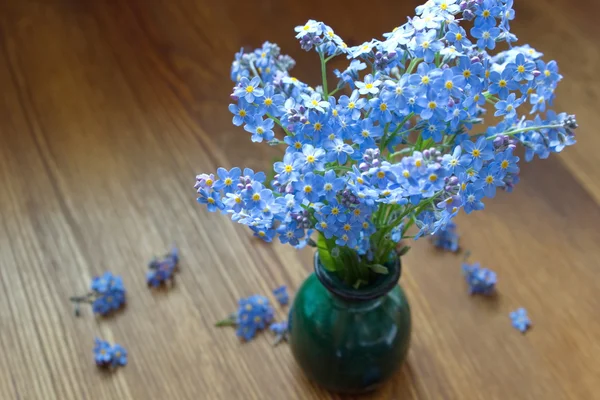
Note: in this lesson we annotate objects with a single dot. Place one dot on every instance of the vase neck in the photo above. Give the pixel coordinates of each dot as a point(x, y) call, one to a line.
point(361, 297)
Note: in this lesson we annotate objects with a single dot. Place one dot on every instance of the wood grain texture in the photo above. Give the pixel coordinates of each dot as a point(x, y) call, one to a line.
point(109, 109)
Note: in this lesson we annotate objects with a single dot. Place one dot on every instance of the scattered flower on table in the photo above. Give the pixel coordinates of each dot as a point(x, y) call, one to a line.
point(163, 270)
point(253, 315)
point(446, 238)
point(107, 294)
point(106, 355)
point(281, 294)
point(520, 320)
point(280, 330)
point(480, 280)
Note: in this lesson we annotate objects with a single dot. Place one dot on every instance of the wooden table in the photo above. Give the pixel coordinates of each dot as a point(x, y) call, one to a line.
point(108, 110)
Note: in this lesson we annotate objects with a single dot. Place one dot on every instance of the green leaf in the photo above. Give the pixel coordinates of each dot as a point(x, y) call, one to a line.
point(325, 254)
point(379, 269)
point(419, 143)
point(358, 283)
point(403, 251)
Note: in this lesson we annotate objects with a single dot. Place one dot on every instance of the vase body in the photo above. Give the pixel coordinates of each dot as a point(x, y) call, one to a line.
point(349, 340)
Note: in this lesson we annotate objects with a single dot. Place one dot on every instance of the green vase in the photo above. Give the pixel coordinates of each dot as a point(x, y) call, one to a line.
point(350, 340)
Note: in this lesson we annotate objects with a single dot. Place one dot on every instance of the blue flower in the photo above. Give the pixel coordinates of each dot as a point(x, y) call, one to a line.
point(471, 198)
point(381, 109)
point(476, 153)
point(312, 158)
point(491, 178)
point(288, 169)
point(480, 280)
point(290, 233)
point(446, 238)
point(424, 78)
point(331, 185)
point(102, 353)
point(501, 84)
point(335, 211)
point(520, 320)
point(119, 355)
point(471, 71)
point(282, 295)
point(108, 294)
point(309, 187)
point(315, 102)
point(507, 162)
point(254, 314)
point(261, 129)
point(457, 36)
point(266, 234)
point(249, 89)
point(432, 106)
point(367, 133)
point(279, 328)
point(353, 104)
point(451, 162)
point(522, 68)
point(242, 112)
point(103, 283)
point(338, 151)
point(508, 107)
point(162, 270)
point(227, 179)
point(368, 86)
point(271, 102)
point(427, 44)
point(486, 12)
point(486, 36)
point(212, 200)
point(449, 84)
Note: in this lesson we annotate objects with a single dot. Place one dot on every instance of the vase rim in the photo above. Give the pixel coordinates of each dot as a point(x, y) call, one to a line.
point(377, 289)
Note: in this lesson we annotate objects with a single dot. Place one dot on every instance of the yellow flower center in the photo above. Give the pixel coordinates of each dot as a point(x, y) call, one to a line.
point(347, 227)
point(261, 233)
point(248, 307)
point(323, 224)
point(487, 74)
point(502, 83)
point(486, 13)
point(433, 177)
point(356, 212)
point(242, 113)
point(418, 162)
point(310, 159)
point(369, 86)
point(489, 179)
point(381, 174)
point(405, 173)
point(297, 145)
point(228, 181)
point(425, 45)
point(547, 72)
point(360, 180)
point(288, 168)
point(317, 126)
point(476, 153)
point(307, 189)
point(432, 105)
point(351, 105)
point(459, 36)
point(335, 211)
point(521, 68)
point(238, 199)
point(504, 164)
point(249, 89)
point(209, 182)
point(383, 106)
point(256, 197)
point(331, 136)
point(328, 187)
point(260, 130)
point(365, 133)
point(449, 85)
point(467, 73)
point(425, 80)
point(268, 101)
point(315, 103)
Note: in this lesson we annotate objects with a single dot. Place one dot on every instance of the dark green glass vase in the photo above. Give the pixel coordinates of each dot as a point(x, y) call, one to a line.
point(350, 340)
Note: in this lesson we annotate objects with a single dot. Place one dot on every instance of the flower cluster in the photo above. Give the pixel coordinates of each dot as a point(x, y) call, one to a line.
point(396, 142)
point(480, 280)
point(446, 238)
point(520, 320)
point(107, 294)
point(106, 355)
point(282, 295)
point(162, 270)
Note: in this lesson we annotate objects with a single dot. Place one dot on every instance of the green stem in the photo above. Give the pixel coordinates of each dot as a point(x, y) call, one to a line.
point(335, 91)
point(324, 75)
point(412, 65)
point(522, 130)
point(278, 122)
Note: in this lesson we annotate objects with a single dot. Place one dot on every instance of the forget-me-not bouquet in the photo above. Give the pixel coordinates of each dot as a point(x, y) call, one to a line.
point(397, 142)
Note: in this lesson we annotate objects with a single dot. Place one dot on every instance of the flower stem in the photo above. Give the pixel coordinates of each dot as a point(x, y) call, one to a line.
point(324, 75)
point(522, 130)
point(278, 122)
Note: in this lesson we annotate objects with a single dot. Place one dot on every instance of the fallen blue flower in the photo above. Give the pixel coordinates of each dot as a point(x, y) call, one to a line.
point(480, 280)
point(107, 294)
point(520, 320)
point(163, 270)
point(106, 355)
point(253, 315)
point(282, 295)
point(280, 329)
point(446, 238)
